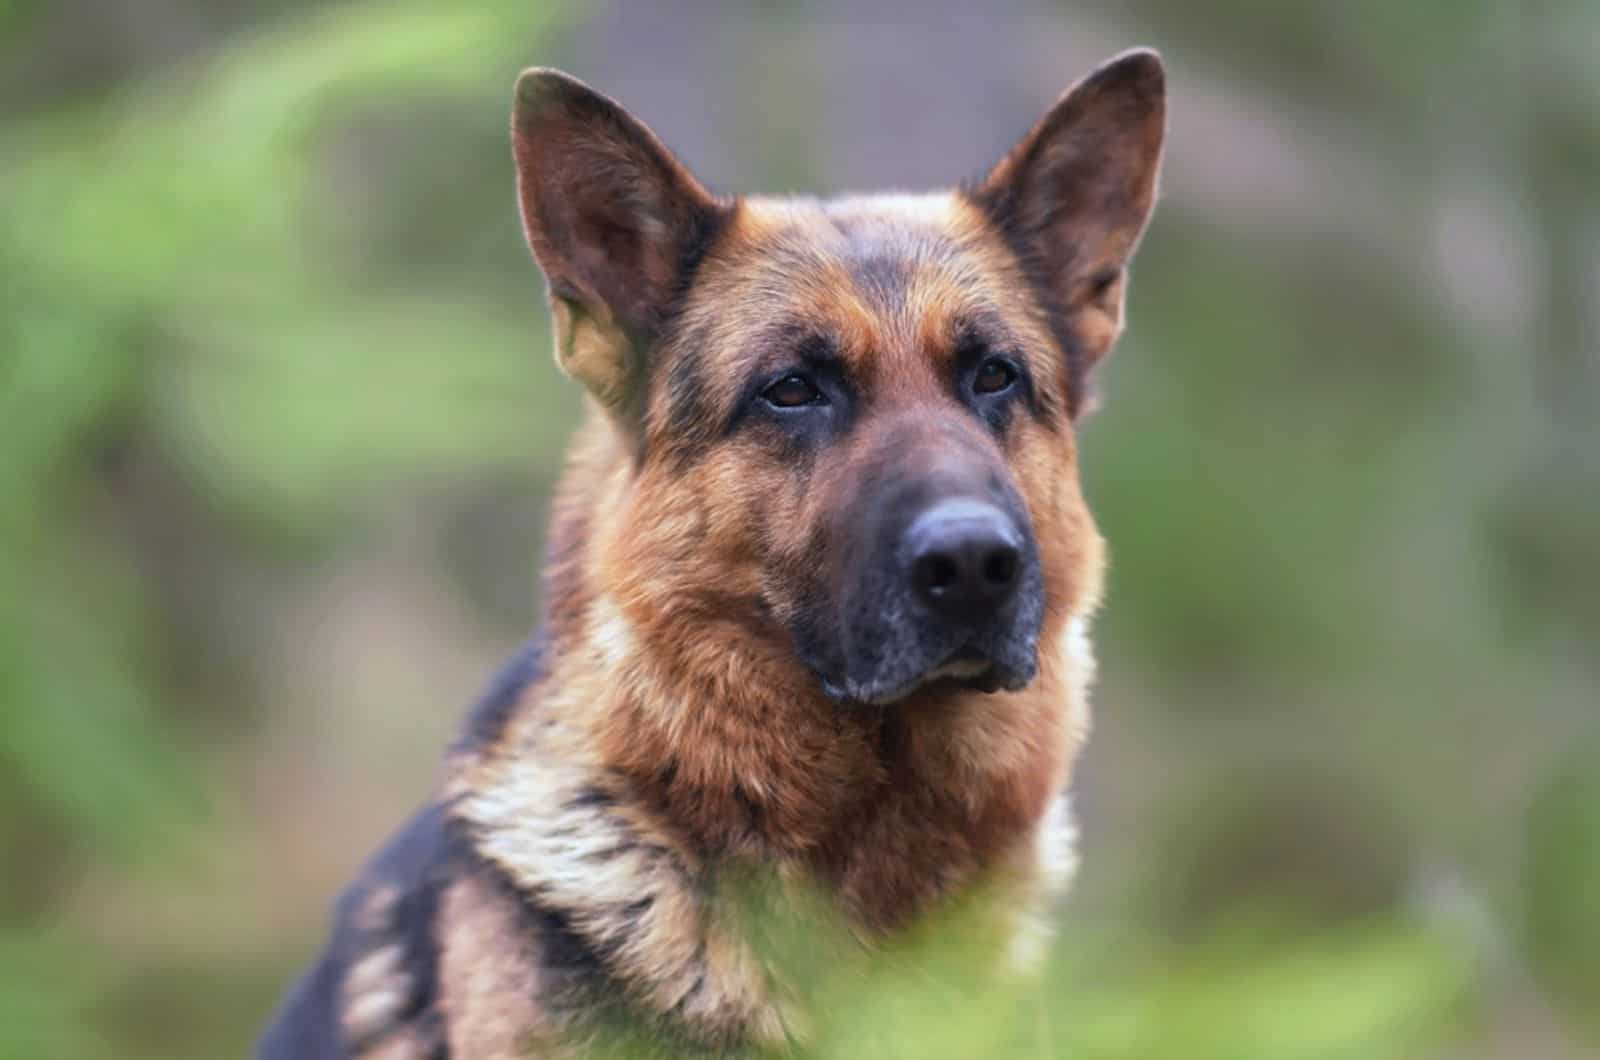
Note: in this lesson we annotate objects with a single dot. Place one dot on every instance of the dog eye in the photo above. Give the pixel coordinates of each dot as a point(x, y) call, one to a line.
point(792, 391)
point(994, 376)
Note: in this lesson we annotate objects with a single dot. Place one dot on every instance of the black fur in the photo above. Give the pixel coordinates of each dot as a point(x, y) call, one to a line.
point(421, 859)
point(419, 862)
point(572, 970)
point(862, 629)
point(488, 716)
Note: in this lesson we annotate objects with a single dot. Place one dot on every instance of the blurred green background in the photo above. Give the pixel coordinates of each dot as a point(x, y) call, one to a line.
point(278, 419)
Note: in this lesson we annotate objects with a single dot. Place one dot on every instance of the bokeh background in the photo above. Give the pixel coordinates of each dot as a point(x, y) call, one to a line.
point(278, 421)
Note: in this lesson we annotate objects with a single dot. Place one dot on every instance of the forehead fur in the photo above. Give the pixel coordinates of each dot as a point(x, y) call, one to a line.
point(890, 282)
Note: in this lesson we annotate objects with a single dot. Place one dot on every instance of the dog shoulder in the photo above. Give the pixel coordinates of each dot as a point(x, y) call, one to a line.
point(373, 990)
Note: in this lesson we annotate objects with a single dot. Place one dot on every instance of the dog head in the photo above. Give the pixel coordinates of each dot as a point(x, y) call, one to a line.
point(845, 428)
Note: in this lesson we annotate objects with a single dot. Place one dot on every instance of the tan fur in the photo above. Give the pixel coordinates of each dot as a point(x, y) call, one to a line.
point(377, 987)
point(374, 993)
point(774, 772)
point(490, 977)
point(626, 878)
point(404, 1045)
point(676, 737)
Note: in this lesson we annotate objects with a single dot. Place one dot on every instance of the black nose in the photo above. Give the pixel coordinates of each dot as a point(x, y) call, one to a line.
point(965, 557)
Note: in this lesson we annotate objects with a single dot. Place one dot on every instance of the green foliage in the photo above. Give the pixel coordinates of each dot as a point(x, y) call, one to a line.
point(1250, 990)
point(168, 296)
point(1561, 916)
point(204, 187)
point(265, 312)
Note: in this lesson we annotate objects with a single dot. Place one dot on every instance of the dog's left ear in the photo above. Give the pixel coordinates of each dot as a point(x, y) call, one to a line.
point(1073, 196)
point(613, 219)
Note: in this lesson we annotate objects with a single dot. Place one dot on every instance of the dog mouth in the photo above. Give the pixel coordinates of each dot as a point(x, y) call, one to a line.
point(966, 663)
point(967, 668)
point(886, 640)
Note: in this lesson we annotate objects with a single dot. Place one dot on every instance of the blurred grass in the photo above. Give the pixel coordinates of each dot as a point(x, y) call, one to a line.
point(276, 415)
point(168, 290)
point(1258, 986)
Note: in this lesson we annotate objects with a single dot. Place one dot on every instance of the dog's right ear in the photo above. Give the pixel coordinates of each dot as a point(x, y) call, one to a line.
point(615, 222)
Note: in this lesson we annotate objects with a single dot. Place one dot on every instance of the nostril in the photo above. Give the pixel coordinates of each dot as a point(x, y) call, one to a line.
point(938, 572)
point(966, 558)
point(1000, 568)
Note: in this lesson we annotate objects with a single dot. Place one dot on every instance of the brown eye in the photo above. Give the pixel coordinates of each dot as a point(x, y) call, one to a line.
point(994, 375)
point(792, 391)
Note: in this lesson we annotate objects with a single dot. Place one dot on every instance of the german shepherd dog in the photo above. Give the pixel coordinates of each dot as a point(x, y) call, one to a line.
point(817, 591)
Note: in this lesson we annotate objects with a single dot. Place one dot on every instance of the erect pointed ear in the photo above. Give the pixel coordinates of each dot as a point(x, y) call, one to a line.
point(1073, 197)
point(615, 222)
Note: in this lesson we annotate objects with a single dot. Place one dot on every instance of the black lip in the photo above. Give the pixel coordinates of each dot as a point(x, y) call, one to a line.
point(988, 681)
point(874, 641)
point(994, 678)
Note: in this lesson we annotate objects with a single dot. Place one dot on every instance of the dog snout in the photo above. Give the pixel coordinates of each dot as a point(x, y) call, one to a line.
point(964, 558)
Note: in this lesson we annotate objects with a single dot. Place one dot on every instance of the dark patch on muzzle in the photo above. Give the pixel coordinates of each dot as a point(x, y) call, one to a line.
point(936, 577)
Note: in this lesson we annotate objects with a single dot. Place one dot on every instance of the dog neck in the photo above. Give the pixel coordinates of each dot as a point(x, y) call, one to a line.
point(727, 754)
point(662, 751)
